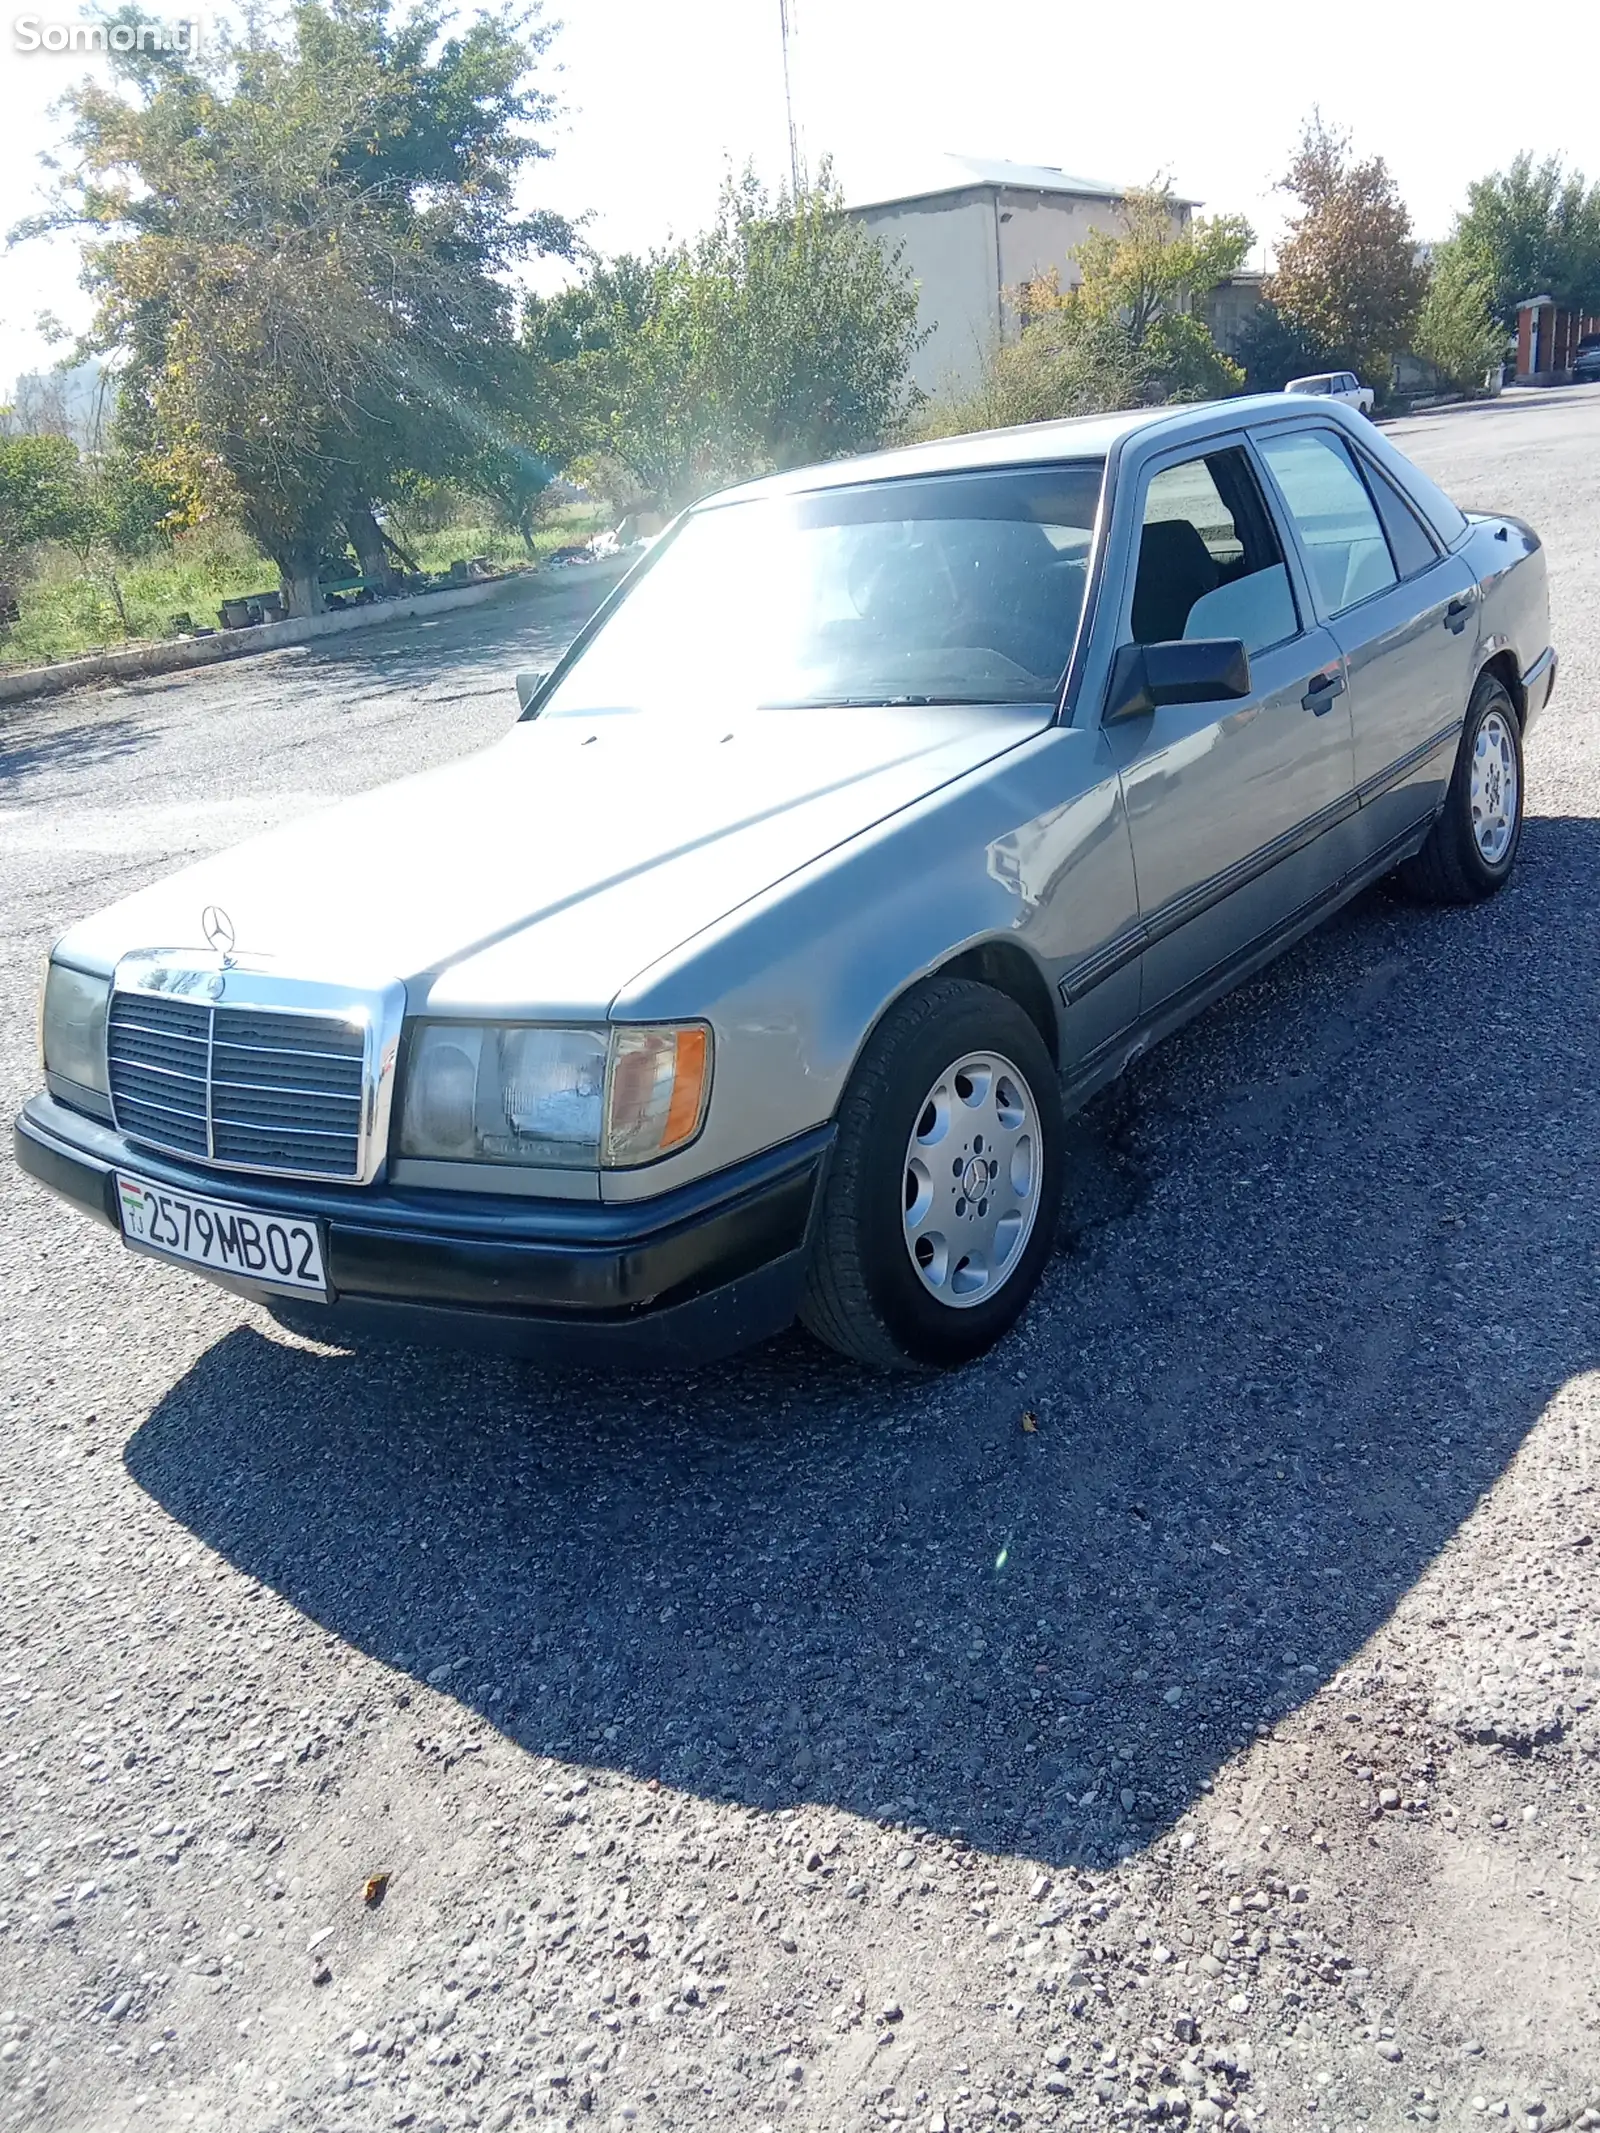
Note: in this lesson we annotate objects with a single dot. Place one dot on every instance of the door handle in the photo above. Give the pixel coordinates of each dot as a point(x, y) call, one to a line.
point(1321, 690)
point(1455, 616)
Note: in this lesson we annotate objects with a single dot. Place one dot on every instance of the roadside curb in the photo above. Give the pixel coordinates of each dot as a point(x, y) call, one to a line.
point(135, 662)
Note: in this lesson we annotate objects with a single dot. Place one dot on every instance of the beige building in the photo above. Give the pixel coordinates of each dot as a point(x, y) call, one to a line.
point(970, 235)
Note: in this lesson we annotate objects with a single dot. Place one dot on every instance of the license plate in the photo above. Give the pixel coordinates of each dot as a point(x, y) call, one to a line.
point(278, 1251)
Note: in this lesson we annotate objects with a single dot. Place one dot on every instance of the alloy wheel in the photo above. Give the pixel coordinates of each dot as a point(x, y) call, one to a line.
point(971, 1187)
point(1494, 788)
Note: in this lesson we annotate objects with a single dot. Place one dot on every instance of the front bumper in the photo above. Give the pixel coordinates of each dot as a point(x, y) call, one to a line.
point(701, 1270)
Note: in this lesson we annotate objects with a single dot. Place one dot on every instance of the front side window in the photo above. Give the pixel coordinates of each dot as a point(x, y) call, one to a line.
point(953, 589)
point(1334, 515)
point(1209, 563)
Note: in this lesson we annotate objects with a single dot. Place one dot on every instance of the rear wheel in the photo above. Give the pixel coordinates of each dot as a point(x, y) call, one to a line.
point(1473, 844)
point(945, 1187)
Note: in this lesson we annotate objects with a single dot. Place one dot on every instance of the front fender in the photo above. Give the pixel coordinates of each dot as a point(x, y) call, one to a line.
point(1031, 851)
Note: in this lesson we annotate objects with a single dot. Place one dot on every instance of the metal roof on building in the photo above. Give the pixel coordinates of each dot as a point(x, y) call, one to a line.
point(960, 174)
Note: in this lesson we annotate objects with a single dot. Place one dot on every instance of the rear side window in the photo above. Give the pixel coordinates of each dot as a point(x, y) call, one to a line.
point(1338, 525)
point(1412, 549)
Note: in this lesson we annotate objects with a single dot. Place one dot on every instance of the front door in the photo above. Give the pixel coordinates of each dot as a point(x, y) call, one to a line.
point(1234, 808)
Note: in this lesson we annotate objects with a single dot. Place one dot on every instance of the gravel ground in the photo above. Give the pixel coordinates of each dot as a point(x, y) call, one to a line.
point(1190, 1713)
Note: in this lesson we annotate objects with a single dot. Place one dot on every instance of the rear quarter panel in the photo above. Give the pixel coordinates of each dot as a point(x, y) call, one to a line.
point(1508, 560)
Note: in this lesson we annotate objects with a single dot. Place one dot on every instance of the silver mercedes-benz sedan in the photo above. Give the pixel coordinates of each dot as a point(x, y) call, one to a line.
point(884, 812)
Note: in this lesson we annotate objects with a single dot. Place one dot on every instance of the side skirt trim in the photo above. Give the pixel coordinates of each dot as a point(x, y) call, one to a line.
point(1107, 1060)
point(1179, 910)
point(1398, 771)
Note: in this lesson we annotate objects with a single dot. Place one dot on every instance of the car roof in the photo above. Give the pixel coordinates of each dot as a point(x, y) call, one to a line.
point(1030, 444)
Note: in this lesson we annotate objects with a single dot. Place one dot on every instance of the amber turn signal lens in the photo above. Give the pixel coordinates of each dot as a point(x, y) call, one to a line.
point(655, 1092)
point(688, 1088)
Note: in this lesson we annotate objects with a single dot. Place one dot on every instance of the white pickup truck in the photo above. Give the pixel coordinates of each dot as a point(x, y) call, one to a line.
point(1336, 385)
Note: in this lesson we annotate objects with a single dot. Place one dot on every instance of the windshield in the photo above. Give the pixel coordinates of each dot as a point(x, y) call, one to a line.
point(949, 589)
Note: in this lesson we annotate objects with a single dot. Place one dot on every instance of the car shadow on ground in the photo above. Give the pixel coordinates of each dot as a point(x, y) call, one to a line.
point(1330, 1256)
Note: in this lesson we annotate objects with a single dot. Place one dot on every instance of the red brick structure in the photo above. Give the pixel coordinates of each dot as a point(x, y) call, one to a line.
point(1548, 334)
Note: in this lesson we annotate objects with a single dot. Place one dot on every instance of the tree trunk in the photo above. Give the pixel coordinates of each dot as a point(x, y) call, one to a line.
point(299, 558)
point(117, 599)
point(302, 587)
point(402, 555)
point(366, 538)
point(302, 594)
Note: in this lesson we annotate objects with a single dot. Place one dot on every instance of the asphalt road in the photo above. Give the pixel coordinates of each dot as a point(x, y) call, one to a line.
point(777, 1743)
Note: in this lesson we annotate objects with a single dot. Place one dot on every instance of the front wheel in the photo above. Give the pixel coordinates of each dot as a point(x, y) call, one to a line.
point(1473, 844)
point(943, 1195)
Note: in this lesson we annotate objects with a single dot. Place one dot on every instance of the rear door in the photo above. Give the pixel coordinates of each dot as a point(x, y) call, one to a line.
point(1403, 613)
point(1231, 806)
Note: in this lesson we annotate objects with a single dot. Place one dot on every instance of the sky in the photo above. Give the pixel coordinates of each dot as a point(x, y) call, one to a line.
point(658, 99)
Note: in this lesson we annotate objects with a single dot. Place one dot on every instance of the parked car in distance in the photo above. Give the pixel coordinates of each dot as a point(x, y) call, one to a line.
point(1341, 385)
point(1586, 360)
point(884, 812)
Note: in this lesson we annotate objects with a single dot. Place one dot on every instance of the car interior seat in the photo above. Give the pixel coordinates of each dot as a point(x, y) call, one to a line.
point(1175, 569)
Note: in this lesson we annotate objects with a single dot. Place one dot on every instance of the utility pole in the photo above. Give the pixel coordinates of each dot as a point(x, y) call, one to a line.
point(788, 106)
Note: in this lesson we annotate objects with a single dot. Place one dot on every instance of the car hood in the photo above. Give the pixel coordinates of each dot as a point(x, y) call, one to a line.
point(548, 869)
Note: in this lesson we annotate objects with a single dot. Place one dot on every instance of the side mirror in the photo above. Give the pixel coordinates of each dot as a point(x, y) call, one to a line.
point(1199, 670)
point(529, 682)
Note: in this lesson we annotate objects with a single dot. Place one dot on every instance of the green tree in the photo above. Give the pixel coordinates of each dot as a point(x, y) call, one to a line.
point(1274, 349)
point(514, 478)
point(1149, 272)
point(1532, 229)
point(1348, 274)
point(584, 345)
point(1066, 361)
point(782, 335)
point(300, 245)
point(1456, 329)
point(803, 327)
point(43, 496)
point(1124, 335)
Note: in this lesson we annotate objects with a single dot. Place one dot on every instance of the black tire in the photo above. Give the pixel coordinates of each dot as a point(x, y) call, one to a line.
point(864, 1296)
point(1451, 867)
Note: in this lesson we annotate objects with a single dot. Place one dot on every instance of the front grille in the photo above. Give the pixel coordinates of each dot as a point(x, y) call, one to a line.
point(238, 1086)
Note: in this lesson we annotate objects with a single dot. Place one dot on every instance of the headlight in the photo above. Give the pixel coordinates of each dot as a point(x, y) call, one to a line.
point(566, 1098)
point(72, 1026)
